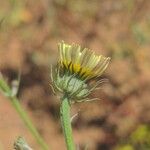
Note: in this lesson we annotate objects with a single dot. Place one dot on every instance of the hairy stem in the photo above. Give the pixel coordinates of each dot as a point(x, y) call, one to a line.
point(66, 123)
point(28, 123)
point(7, 91)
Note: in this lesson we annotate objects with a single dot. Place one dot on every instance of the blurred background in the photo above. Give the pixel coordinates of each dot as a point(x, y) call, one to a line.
point(29, 33)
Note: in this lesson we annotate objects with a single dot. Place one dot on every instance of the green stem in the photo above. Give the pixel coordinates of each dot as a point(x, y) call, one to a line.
point(66, 123)
point(5, 89)
point(28, 123)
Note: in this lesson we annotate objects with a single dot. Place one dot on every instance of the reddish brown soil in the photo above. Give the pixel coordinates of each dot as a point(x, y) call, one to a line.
point(28, 42)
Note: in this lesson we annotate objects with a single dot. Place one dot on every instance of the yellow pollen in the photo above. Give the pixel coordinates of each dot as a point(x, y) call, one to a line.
point(83, 72)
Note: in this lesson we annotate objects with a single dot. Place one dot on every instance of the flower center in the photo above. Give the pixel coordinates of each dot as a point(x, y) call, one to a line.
point(75, 68)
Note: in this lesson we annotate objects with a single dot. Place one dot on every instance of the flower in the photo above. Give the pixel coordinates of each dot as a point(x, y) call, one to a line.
point(75, 69)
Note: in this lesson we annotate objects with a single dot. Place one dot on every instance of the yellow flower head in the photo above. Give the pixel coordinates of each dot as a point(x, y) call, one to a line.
point(76, 67)
point(82, 62)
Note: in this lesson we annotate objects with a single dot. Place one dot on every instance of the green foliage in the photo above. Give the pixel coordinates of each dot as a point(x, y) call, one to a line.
point(141, 134)
point(141, 137)
point(138, 140)
point(125, 147)
point(140, 34)
point(4, 88)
